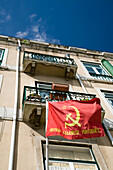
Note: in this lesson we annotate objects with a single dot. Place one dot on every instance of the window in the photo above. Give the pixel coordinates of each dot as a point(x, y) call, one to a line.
point(43, 89)
point(94, 68)
point(97, 71)
point(65, 157)
point(52, 90)
point(109, 96)
point(1, 55)
point(43, 85)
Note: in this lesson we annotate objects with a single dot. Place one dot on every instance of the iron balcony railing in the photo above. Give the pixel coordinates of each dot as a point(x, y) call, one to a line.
point(102, 77)
point(49, 58)
point(34, 94)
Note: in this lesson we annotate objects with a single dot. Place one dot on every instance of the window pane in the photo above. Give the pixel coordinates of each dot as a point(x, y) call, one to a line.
point(90, 70)
point(109, 96)
point(111, 101)
point(43, 85)
point(72, 153)
point(91, 65)
point(1, 51)
point(95, 68)
point(59, 166)
point(0, 56)
point(84, 167)
point(101, 71)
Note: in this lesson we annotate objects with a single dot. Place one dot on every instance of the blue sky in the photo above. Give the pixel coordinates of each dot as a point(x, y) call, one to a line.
point(79, 23)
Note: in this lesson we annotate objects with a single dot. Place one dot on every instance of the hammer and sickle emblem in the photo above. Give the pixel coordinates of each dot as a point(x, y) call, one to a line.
point(75, 121)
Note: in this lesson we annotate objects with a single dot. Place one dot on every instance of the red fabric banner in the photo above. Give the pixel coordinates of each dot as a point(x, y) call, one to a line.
point(75, 119)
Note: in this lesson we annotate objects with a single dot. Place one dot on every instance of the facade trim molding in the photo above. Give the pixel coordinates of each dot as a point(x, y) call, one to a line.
point(51, 47)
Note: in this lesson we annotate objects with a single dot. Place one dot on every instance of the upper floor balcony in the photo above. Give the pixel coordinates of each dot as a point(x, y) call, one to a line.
point(34, 101)
point(35, 63)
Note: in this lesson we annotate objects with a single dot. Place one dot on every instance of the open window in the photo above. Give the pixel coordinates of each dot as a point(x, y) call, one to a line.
point(97, 71)
point(43, 90)
point(53, 90)
point(94, 68)
point(61, 88)
point(65, 157)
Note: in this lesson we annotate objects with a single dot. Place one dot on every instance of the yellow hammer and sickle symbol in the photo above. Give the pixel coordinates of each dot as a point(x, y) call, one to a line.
point(75, 122)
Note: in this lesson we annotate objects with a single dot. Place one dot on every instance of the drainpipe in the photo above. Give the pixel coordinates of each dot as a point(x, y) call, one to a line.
point(85, 91)
point(47, 140)
point(11, 156)
point(83, 87)
point(108, 132)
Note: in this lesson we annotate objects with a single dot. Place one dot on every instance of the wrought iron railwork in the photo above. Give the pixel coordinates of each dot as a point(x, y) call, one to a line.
point(34, 94)
point(49, 58)
point(102, 77)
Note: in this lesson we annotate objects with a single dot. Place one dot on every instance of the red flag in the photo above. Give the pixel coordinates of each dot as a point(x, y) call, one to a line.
point(75, 119)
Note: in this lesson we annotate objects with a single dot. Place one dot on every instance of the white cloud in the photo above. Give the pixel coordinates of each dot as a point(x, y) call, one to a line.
point(55, 41)
point(4, 16)
point(41, 36)
point(32, 16)
point(8, 17)
point(21, 34)
point(40, 19)
point(36, 31)
point(35, 28)
point(35, 34)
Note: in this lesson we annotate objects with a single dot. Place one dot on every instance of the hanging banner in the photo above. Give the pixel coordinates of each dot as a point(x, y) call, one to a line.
point(75, 119)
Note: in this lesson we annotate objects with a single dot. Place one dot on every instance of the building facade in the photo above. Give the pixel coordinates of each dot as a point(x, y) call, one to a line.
point(31, 72)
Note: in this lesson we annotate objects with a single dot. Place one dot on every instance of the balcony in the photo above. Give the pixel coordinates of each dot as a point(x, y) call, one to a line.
point(35, 63)
point(102, 77)
point(34, 101)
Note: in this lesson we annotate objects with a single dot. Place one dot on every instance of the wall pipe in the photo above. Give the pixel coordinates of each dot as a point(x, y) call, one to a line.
point(83, 87)
point(108, 132)
point(11, 156)
point(47, 140)
point(85, 91)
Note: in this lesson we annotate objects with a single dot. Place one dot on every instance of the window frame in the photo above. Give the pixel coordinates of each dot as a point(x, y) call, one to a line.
point(47, 84)
point(94, 162)
point(39, 83)
point(2, 52)
point(94, 68)
point(107, 98)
